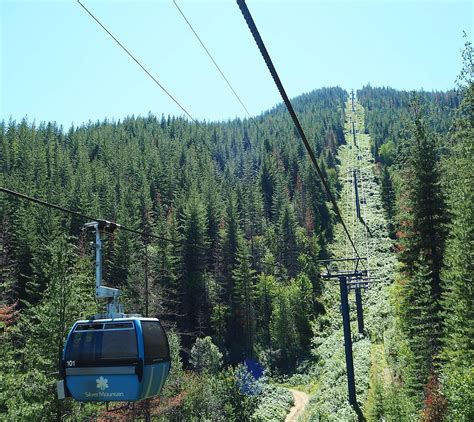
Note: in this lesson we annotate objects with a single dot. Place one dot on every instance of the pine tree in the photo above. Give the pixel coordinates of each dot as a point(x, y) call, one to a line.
point(231, 238)
point(205, 356)
point(388, 195)
point(421, 249)
point(284, 334)
point(243, 310)
point(168, 266)
point(267, 183)
point(458, 270)
point(195, 302)
point(7, 263)
point(265, 292)
point(32, 348)
point(303, 308)
point(288, 244)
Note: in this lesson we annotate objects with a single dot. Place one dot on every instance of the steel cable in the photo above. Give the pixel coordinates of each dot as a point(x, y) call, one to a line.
point(263, 50)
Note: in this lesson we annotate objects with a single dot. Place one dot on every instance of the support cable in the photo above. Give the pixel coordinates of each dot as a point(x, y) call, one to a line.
point(199, 125)
point(364, 196)
point(251, 119)
point(354, 211)
point(139, 64)
point(347, 187)
point(212, 59)
point(81, 215)
point(88, 217)
point(263, 50)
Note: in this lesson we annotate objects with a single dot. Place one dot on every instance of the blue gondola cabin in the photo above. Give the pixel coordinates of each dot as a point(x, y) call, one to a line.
point(121, 359)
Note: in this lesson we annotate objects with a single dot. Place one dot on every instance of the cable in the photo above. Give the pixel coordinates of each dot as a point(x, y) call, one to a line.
point(212, 58)
point(139, 64)
point(354, 187)
point(78, 214)
point(347, 188)
point(365, 207)
point(88, 217)
point(258, 39)
point(251, 119)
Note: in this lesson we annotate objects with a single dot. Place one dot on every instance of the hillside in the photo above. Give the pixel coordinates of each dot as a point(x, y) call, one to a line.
point(239, 198)
point(249, 221)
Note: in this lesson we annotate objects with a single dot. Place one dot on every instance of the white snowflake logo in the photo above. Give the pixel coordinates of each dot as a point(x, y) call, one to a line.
point(102, 383)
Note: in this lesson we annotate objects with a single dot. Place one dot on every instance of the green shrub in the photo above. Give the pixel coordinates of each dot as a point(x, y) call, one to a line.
point(274, 404)
point(205, 356)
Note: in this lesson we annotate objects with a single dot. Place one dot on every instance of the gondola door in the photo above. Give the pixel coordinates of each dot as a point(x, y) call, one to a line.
point(156, 357)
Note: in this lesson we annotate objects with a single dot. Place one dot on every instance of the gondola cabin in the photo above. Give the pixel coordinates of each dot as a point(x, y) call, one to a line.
point(120, 359)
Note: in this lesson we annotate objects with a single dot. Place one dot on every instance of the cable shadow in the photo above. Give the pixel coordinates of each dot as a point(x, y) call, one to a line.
point(360, 415)
point(366, 226)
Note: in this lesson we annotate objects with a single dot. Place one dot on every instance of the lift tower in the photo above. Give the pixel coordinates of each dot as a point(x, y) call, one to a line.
point(113, 308)
point(352, 279)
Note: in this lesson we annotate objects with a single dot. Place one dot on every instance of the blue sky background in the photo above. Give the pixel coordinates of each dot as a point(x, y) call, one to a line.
point(57, 64)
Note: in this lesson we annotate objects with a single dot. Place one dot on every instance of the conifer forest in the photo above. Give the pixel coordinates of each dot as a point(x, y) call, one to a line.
point(230, 230)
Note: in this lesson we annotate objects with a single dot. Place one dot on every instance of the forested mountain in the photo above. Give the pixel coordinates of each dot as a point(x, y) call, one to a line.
point(239, 198)
point(388, 109)
point(424, 144)
point(248, 220)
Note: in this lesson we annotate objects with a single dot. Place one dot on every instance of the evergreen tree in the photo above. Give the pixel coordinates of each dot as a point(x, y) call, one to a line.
point(284, 334)
point(168, 268)
point(288, 245)
point(265, 292)
point(421, 247)
point(303, 308)
point(458, 270)
point(205, 356)
point(195, 303)
point(243, 310)
point(231, 239)
point(267, 183)
point(32, 348)
point(388, 195)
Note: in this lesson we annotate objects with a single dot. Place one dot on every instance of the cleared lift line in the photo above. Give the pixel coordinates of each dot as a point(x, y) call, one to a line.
point(362, 180)
point(263, 50)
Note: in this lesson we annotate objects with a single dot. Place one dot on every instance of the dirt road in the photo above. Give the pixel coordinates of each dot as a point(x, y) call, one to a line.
point(301, 400)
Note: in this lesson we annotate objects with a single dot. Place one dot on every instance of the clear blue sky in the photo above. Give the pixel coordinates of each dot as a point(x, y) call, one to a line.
point(57, 64)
